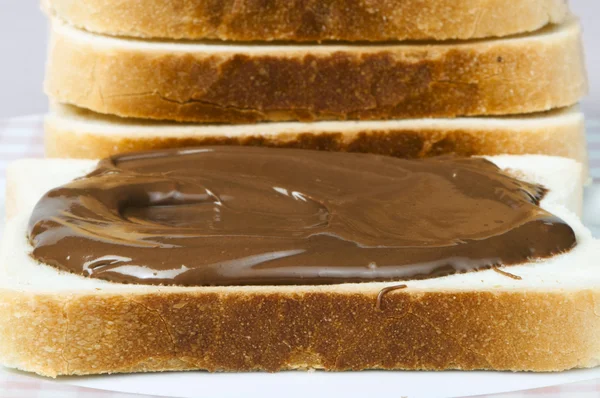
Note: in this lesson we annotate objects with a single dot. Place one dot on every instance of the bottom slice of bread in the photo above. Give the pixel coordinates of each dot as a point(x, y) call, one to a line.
point(54, 323)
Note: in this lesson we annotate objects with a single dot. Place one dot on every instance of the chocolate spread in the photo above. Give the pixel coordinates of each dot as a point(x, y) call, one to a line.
point(258, 216)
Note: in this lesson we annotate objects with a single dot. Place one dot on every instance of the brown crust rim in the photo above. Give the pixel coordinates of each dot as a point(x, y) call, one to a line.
point(313, 20)
point(513, 76)
point(64, 140)
point(109, 333)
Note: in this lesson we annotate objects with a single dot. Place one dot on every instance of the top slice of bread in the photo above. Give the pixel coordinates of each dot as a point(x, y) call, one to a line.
point(313, 20)
point(55, 323)
point(235, 83)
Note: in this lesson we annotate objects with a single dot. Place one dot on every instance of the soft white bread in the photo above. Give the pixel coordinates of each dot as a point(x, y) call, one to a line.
point(313, 20)
point(78, 133)
point(237, 83)
point(55, 323)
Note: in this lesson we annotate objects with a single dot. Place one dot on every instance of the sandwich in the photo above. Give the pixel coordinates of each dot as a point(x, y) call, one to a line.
point(243, 259)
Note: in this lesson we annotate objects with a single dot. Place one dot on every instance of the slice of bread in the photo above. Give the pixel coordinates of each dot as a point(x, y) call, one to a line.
point(249, 20)
point(54, 323)
point(78, 133)
point(237, 83)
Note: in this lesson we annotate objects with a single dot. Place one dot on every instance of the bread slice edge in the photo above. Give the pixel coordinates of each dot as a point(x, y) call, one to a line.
point(242, 84)
point(78, 133)
point(247, 21)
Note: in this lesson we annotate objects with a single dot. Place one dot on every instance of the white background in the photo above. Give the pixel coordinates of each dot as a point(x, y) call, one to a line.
point(23, 33)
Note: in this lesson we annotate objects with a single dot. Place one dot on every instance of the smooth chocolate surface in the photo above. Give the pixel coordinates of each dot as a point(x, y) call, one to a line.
point(260, 216)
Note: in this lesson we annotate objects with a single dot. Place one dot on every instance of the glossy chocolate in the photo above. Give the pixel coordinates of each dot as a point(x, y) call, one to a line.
point(259, 216)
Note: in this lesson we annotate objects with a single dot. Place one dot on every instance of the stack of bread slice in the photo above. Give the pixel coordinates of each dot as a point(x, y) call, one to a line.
point(405, 78)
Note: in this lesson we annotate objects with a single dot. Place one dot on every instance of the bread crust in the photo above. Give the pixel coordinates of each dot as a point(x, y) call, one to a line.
point(231, 330)
point(72, 140)
point(312, 20)
point(246, 84)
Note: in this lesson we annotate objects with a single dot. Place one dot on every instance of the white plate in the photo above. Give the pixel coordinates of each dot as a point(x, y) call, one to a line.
point(323, 384)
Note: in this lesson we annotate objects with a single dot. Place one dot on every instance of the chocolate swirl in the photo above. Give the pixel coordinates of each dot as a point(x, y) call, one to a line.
point(258, 216)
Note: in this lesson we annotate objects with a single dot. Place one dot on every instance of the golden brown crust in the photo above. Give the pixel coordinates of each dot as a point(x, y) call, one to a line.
point(312, 20)
point(239, 331)
point(239, 85)
point(79, 140)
